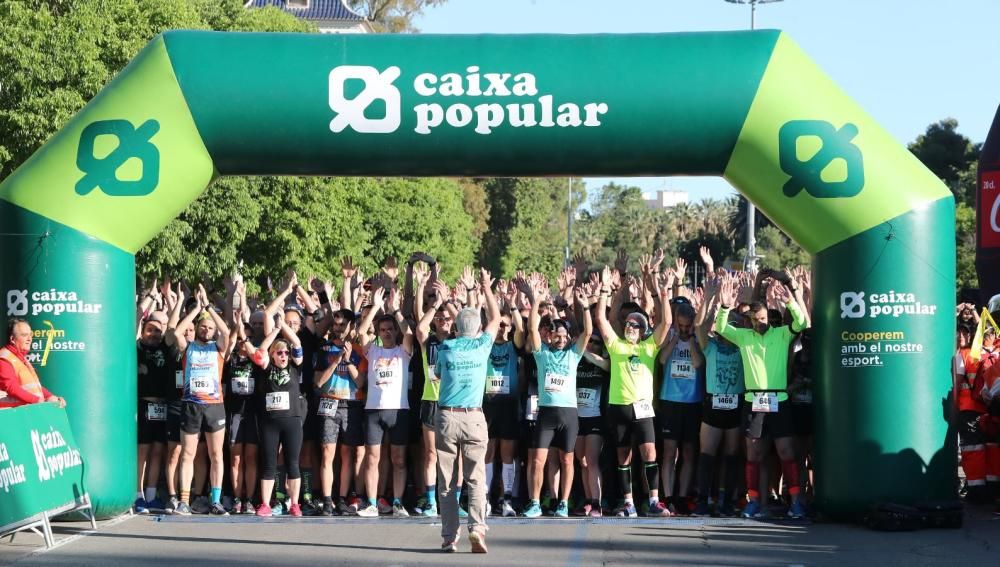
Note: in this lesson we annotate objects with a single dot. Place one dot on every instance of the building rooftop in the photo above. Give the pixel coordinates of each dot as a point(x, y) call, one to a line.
point(311, 9)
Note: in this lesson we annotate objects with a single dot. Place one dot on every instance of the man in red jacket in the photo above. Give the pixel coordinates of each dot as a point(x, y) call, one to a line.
point(19, 384)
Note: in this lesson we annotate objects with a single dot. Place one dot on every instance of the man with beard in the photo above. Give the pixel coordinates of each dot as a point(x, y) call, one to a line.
point(768, 415)
point(630, 392)
point(203, 410)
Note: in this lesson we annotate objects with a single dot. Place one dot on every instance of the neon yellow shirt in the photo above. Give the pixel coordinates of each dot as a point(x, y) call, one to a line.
point(631, 370)
point(765, 357)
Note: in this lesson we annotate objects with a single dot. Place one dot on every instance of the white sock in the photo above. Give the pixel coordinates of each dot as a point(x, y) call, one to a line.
point(489, 478)
point(653, 500)
point(150, 494)
point(508, 478)
point(517, 478)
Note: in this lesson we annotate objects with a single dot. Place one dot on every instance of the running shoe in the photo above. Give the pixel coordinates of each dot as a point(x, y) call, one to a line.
point(140, 506)
point(182, 509)
point(237, 507)
point(702, 509)
point(369, 511)
point(277, 508)
point(584, 509)
point(489, 507)
point(461, 512)
point(562, 510)
point(797, 510)
point(398, 511)
point(264, 511)
point(478, 541)
point(308, 508)
point(752, 510)
point(430, 511)
point(201, 505)
point(343, 508)
point(353, 505)
point(507, 509)
point(449, 546)
point(155, 505)
point(533, 510)
point(327, 509)
point(422, 503)
point(384, 508)
point(172, 505)
point(596, 511)
point(295, 511)
point(217, 509)
point(627, 511)
point(658, 510)
point(227, 502)
point(248, 509)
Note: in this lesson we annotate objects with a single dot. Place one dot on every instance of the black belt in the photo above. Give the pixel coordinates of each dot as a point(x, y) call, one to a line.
point(463, 410)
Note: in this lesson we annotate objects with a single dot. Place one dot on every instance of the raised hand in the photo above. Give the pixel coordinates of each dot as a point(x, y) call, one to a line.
point(378, 298)
point(706, 257)
point(681, 270)
point(580, 264)
point(781, 293)
point(657, 259)
point(391, 268)
point(485, 279)
point(420, 273)
point(621, 262)
point(347, 267)
point(394, 299)
point(467, 279)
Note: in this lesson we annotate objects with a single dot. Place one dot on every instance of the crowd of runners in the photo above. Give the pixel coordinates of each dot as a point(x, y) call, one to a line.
point(611, 391)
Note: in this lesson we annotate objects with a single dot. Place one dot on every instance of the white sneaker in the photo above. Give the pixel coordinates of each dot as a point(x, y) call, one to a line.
point(508, 510)
point(369, 511)
point(398, 511)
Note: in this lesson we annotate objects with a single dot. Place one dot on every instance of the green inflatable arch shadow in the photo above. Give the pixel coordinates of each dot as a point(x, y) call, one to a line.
point(749, 106)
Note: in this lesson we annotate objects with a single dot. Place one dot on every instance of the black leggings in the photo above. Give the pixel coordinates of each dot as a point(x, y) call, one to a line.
point(287, 431)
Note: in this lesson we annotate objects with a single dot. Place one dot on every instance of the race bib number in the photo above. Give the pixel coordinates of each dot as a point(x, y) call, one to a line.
point(531, 409)
point(555, 383)
point(328, 407)
point(724, 402)
point(383, 379)
point(765, 402)
point(201, 386)
point(156, 412)
point(643, 409)
point(179, 379)
point(588, 402)
point(242, 385)
point(276, 401)
point(497, 385)
point(682, 370)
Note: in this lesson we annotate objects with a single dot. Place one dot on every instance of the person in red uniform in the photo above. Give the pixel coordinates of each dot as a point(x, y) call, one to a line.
point(971, 438)
point(19, 383)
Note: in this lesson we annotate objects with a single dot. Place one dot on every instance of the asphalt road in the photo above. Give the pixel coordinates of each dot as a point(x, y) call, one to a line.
point(249, 541)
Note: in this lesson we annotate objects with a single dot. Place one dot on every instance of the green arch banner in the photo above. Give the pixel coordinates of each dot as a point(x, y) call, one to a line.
point(749, 106)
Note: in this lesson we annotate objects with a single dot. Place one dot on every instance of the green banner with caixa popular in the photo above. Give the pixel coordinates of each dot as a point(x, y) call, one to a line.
point(41, 468)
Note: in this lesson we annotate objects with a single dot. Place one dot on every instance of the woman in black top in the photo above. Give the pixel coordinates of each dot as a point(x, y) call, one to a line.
point(280, 410)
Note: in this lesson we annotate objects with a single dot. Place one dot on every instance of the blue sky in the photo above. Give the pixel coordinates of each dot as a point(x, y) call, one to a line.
point(907, 62)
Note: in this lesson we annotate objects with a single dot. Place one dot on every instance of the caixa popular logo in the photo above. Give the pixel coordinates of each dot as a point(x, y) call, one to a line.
point(367, 100)
point(22, 302)
point(854, 305)
point(820, 159)
point(133, 146)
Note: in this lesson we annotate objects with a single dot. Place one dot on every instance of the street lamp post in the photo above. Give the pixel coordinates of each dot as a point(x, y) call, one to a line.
point(569, 220)
point(750, 262)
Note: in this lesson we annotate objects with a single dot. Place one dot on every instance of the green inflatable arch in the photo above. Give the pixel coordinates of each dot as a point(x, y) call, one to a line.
point(749, 106)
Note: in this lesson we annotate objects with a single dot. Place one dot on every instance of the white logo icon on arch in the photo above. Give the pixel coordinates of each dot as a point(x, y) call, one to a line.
point(351, 112)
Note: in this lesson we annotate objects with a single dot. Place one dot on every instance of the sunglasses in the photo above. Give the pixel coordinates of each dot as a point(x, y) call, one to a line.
point(632, 325)
point(281, 352)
